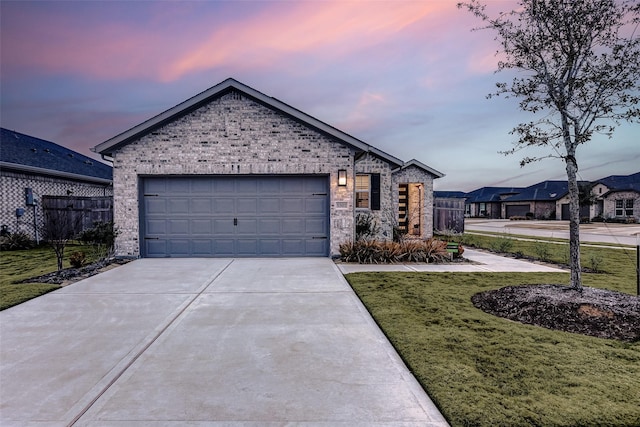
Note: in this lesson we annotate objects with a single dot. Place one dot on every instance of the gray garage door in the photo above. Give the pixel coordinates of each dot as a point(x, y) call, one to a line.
point(264, 216)
point(517, 210)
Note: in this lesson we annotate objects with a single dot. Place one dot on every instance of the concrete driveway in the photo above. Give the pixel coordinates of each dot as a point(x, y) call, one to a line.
point(216, 342)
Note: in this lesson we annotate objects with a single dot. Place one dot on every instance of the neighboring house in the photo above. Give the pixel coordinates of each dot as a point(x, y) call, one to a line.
point(544, 200)
point(234, 172)
point(617, 197)
point(32, 169)
point(486, 202)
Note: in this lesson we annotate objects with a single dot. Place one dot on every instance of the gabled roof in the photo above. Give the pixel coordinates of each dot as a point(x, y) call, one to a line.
point(420, 165)
point(544, 191)
point(109, 146)
point(34, 155)
point(492, 194)
point(621, 182)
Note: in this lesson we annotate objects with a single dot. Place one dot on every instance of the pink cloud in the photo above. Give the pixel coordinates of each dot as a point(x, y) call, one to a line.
point(332, 29)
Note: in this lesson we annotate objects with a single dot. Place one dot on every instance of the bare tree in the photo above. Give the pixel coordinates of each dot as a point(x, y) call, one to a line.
point(59, 226)
point(579, 68)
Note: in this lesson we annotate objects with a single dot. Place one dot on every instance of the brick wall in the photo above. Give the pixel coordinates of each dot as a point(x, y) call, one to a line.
point(12, 185)
point(231, 135)
point(385, 216)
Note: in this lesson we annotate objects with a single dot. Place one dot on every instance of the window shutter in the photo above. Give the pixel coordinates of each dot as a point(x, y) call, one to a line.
point(375, 191)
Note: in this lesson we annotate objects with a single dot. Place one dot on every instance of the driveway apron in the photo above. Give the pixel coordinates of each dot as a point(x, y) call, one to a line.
point(216, 342)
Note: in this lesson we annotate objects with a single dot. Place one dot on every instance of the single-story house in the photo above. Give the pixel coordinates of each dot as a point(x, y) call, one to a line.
point(486, 202)
point(234, 172)
point(544, 200)
point(32, 169)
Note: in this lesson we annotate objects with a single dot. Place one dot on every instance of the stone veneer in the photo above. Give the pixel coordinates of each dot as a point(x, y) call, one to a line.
point(12, 185)
point(385, 216)
point(231, 135)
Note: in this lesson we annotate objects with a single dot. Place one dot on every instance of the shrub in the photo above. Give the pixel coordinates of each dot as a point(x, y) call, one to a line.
point(375, 252)
point(366, 227)
point(77, 259)
point(16, 241)
point(542, 251)
point(102, 237)
point(502, 244)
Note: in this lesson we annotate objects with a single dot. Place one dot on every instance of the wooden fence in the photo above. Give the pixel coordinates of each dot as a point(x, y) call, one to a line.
point(84, 211)
point(448, 214)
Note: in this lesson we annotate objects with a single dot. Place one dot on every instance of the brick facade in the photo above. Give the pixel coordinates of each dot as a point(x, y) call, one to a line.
point(230, 135)
point(12, 188)
point(384, 217)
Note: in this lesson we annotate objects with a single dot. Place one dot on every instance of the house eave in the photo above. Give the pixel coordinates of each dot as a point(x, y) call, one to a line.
point(51, 172)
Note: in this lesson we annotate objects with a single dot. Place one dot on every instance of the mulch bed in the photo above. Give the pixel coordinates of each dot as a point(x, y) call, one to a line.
point(70, 275)
point(596, 312)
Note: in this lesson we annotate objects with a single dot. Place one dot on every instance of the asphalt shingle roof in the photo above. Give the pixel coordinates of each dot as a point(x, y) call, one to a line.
point(24, 150)
point(622, 182)
point(491, 194)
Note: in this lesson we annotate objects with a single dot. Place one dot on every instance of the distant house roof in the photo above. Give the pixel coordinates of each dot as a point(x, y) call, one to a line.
point(622, 182)
point(492, 194)
point(544, 191)
point(450, 194)
point(34, 155)
point(229, 85)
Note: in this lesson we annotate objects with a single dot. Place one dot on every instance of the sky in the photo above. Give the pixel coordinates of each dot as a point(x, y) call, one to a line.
point(408, 77)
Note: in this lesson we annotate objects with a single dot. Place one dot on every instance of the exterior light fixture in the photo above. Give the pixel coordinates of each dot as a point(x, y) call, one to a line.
point(342, 178)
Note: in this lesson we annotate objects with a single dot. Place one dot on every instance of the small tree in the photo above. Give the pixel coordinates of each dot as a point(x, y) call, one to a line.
point(59, 226)
point(580, 65)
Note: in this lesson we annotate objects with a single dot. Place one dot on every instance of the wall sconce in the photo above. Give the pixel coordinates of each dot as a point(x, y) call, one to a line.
point(342, 178)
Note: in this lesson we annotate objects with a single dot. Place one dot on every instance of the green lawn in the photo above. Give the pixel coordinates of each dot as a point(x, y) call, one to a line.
point(22, 264)
point(482, 370)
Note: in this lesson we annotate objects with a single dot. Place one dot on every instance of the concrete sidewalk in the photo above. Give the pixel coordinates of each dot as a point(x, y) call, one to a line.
point(215, 342)
point(482, 262)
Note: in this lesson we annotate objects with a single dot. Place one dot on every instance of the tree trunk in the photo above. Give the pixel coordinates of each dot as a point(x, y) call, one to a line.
point(574, 222)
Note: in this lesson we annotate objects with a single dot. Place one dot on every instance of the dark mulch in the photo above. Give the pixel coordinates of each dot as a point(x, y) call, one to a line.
point(595, 312)
point(70, 275)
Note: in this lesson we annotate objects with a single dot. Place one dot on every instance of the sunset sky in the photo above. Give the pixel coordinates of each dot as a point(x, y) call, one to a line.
point(409, 77)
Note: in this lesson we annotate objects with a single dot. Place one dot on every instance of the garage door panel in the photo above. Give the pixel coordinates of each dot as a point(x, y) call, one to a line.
point(235, 216)
point(201, 226)
point(246, 226)
point(179, 226)
point(315, 226)
point(200, 206)
point(153, 205)
point(156, 226)
point(268, 226)
point(223, 226)
point(179, 186)
point(292, 226)
point(178, 205)
point(223, 206)
point(201, 185)
point(246, 247)
point(156, 248)
point(293, 206)
point(179, 247)
point(202, 247)
point(224, 247)
point(269, 206)
point(246, 206)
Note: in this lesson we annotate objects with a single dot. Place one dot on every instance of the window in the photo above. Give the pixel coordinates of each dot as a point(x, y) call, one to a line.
point(624, 207)
point(363, 191)
point(628, 207)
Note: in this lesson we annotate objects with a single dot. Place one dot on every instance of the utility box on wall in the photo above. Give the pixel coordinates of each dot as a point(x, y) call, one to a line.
point(28, 196)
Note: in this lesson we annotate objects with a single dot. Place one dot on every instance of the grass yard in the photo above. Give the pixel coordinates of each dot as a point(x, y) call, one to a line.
point(22, 264)
point(483, 370)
